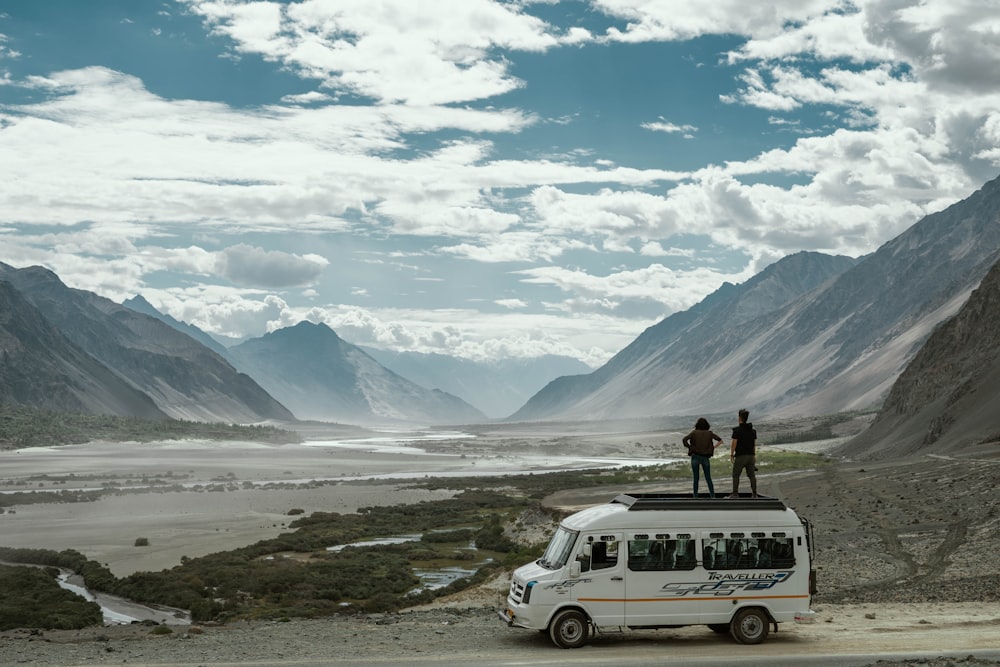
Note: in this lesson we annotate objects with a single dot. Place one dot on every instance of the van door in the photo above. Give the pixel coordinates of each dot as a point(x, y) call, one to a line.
point(601, 586)
point(661, 579)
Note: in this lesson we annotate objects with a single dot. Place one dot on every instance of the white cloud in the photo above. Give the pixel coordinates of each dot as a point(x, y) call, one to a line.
point(255, 267)
point(225, 311)
point(387, 50)
point(953, 45)
point(663, 125)
point(675, 290)
point(512, 304)
point(669, 20)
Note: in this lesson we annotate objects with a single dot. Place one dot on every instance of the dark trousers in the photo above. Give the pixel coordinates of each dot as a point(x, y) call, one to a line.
point(699, 462)
point(745, 462)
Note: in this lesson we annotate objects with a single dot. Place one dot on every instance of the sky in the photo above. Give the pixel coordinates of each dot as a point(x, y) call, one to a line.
point(477, 178)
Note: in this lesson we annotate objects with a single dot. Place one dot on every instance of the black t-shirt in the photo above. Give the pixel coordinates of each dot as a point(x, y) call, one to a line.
point(746, 439)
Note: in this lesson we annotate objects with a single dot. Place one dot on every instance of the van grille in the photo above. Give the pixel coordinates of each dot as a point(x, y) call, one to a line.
point(516, 591)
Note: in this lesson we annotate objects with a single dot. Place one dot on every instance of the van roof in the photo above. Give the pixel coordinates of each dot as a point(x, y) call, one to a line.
point(680, 501)
point(636, 511)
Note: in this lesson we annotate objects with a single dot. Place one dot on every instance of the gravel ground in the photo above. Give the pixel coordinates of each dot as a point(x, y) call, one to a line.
point(906, 555)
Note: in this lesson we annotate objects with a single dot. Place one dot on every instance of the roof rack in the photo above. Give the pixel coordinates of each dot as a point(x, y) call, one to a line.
point(682, 501)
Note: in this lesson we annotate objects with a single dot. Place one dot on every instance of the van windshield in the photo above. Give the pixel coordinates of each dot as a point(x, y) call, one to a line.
point(559, 549)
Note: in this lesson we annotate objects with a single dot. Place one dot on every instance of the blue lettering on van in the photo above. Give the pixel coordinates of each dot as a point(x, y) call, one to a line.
point(566, 583)
point(722, 585)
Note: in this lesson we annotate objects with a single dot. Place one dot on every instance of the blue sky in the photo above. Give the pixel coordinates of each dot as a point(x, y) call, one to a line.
point(475, 178)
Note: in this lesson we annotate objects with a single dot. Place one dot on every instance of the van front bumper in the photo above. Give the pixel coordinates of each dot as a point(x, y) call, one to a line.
point(507, 616)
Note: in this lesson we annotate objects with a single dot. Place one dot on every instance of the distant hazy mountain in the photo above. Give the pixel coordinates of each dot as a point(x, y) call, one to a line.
point(139, 304)
point(811, 334)
point(309, 368)
point(948, 397)
point(40, 368)
point(497, 388)
point(184, 379)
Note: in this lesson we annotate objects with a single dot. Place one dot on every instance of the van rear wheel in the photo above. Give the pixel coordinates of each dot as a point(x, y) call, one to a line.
point(749, 626)
point(569, 629)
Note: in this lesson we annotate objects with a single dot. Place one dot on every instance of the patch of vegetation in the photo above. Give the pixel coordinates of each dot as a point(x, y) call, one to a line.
point(31, 427)
point(31, 598)
point(297, 575)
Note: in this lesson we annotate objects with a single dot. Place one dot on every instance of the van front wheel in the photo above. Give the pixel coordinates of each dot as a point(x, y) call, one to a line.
point(569, 629)
point(749, 626)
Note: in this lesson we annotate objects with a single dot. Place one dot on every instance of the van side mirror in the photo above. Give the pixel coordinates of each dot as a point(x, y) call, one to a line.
point(574, 570)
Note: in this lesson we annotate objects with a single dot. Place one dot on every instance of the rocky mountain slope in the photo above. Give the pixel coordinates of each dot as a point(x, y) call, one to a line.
point(948, 396)
point(184, 379)
point(809, 335)
point(40, 368)
point(691, 361)
point(323, 377)
point(139, 304)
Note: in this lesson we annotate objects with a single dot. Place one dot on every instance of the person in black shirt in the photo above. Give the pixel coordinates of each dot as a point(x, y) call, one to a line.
point(743, 454)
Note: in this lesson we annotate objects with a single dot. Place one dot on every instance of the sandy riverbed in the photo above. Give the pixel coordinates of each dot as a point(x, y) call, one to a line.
point(191, 498)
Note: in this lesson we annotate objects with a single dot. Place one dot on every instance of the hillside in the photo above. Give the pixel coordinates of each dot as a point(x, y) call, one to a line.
point(947, 397)
point(691, 361)
point(40, 367)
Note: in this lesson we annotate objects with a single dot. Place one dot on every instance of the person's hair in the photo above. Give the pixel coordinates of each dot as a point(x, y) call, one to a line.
point(702, 424)
point(744, 414)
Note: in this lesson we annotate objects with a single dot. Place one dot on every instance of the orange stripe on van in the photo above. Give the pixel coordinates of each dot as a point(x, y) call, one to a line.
point(702, 599)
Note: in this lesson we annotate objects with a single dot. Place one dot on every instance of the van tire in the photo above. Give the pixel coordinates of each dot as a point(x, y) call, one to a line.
point(570, 629)
point(750, 625)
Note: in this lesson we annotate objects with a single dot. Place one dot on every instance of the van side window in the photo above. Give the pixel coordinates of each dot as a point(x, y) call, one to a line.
point(661, 555)
point(603, 554)
point(735, 551)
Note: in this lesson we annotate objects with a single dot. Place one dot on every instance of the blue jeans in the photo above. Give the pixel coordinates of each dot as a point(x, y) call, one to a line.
point(698, 461)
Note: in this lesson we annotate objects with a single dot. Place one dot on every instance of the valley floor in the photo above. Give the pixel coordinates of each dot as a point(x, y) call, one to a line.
point(906, 557)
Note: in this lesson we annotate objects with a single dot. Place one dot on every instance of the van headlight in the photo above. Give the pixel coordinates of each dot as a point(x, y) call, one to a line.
point(527, 592)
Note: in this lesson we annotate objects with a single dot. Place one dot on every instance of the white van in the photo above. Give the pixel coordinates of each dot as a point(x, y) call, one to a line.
point(737, 565)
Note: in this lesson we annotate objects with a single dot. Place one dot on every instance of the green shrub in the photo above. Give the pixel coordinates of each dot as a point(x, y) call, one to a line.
point(32, 598)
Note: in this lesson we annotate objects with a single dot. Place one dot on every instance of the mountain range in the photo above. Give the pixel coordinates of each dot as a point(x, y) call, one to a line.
point(912, 325)
point(811, 334)
point(127, 355)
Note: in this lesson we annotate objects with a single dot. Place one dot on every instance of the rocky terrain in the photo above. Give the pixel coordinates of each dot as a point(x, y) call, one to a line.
point(905, 555)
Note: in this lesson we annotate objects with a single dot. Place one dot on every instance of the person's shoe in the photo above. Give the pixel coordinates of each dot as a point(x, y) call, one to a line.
point(754, 496)
point(734, 495)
